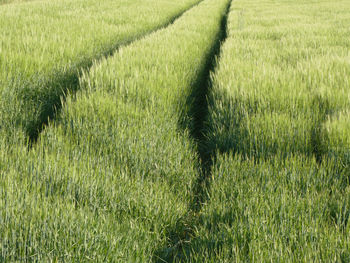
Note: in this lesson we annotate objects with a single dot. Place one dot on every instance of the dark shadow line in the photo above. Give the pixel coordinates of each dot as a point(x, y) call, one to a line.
point(194, 120)
point(199, 112)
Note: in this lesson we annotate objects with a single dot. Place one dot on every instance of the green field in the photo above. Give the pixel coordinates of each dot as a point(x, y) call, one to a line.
point(175, 131)
point(46, 45)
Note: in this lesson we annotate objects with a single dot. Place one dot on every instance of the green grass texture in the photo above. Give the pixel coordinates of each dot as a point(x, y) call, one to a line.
point(111, 178)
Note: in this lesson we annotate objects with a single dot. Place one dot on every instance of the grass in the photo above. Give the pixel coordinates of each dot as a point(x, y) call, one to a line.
point(273, 84)
point(295, 211)
point(111, 178)
point(46, 45)
point(11, 1)
point(154, 155)
point(278, 133)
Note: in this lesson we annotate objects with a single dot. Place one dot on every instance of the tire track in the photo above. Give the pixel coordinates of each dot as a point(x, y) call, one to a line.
point(180, 236)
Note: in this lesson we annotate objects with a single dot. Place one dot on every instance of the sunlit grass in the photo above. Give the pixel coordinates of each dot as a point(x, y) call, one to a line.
point(112, 178)
point(44, 45)
point(283, 68)
point(297, 211)
point(278, 128)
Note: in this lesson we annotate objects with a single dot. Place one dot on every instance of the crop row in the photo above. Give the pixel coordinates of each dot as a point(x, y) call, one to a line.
point(278, 129)
point(46, 44)
point(112, 177)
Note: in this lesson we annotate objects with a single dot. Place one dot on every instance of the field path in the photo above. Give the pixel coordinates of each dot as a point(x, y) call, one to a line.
point(197, 102)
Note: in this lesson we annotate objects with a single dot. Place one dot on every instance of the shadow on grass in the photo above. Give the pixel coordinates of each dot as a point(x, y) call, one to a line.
point(194, 119)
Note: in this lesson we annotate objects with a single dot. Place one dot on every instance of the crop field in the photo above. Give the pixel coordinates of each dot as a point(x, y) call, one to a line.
point(46, 44)
point(175, 131)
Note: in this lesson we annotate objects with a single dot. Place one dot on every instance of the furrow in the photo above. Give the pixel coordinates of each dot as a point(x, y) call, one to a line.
point(195, 121)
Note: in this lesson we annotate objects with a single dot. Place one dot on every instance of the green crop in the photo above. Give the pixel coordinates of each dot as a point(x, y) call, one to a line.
point(278, 130)
point(175, 131)
point(279, 78)
point(111, 179)
point(45, 45)
point(295, 211)
point(11, 1)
